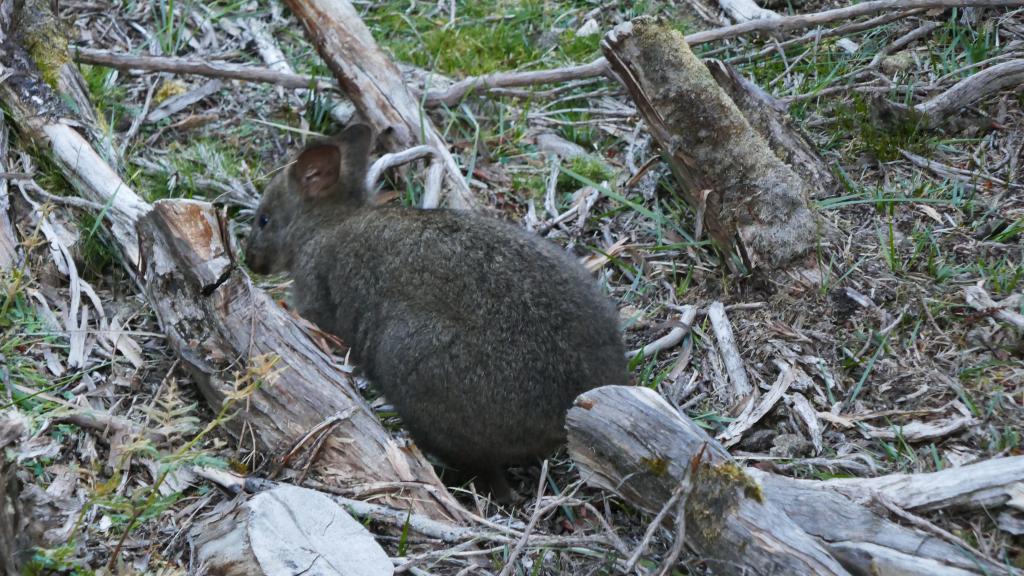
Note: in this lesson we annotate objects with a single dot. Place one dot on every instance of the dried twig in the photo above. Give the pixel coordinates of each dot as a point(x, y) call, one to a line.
point(746, 421)
point(392, 159)
point(538, 512)
point(741, 387)
point(675, 336)
point(209, 68)
point(800, 21)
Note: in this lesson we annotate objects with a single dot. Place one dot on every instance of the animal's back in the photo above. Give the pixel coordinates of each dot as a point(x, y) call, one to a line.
point(479, 333)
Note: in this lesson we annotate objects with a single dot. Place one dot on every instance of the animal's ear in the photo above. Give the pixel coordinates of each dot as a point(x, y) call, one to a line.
point(316, 170)
point(355, 143)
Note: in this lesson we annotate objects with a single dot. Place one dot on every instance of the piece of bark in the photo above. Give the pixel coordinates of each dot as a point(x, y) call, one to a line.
point(285, 531)
point(374, 84)
point(770, 118)
point(214, 316)
point(757, 204)
point(631, 441)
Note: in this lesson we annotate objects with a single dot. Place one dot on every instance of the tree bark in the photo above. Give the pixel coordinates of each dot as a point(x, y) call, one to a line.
point(757, 205)
point(375, 85)
point(630, 441)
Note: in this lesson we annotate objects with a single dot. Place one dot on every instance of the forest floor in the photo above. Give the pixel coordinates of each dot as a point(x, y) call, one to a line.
point(904, 374)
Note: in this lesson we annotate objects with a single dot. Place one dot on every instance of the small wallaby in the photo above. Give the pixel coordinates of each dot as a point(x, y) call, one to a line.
point(478, 332)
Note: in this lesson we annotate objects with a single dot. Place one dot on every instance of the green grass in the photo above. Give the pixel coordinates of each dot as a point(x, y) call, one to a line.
point(207, 157)
point(487, 36)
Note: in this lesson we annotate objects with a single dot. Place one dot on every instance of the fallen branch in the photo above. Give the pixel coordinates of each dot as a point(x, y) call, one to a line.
point(800, 21)
point(8, 241)
point(210, 68)
point(939, 109)
point(456, 92)
point(731, 526)
point(645, 463)
point(374, 84)
point(744, 10)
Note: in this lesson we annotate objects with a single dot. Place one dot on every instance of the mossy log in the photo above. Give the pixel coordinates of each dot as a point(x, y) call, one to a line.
point(629, 440)
point(756, 204)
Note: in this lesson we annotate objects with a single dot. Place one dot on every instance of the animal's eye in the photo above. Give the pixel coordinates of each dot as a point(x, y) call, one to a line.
point(263, 220)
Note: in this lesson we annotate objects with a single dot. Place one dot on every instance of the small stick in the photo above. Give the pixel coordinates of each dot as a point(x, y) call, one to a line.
point(801, 21)
point(971, 89)
point(455, 92)
point(432, 187)
point(392, 159)
point(510, 564)
point(741, 387)
point(675, 336)
point(735, 431)
point(679, 539)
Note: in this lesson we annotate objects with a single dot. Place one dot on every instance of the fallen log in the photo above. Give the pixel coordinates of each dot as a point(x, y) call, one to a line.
point(630, 441)
point(217, 321)
point(374, 84)
point(757, 205)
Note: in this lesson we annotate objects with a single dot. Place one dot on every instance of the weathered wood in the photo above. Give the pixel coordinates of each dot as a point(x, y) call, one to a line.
point(213, 314)
point(756, 205)
point(214, 317)
point(285, 531)
point(945, 106)
point(8, 240)
point(632, 442)
point(374, 84)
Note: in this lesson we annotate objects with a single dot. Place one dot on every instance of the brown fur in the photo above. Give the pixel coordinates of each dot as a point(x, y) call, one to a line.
point(480, 333)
